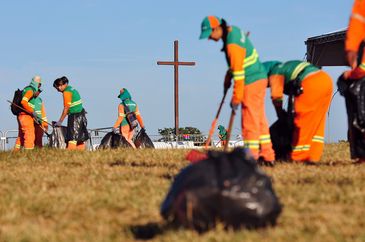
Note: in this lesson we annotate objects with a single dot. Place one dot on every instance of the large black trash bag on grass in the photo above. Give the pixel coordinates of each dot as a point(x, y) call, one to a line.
point(142, 140)
point(226, 187)
point(281, 134)
point(58, 138)
point(111, 141)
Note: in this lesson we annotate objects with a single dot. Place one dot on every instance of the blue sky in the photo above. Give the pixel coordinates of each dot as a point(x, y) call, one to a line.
point(102, 46)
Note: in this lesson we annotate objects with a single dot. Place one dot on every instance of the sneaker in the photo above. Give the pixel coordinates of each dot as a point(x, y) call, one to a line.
point(263, 162)
point(359, 161)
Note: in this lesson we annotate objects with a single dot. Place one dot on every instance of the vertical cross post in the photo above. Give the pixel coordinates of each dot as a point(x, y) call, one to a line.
point(176, 63)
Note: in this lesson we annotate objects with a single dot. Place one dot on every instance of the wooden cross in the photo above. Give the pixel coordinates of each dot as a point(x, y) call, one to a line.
point(176, 63)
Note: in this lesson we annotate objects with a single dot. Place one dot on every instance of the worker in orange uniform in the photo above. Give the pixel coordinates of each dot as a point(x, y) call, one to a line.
point(26, 130)
point(41, 123)
point(77, 132)
point(312, 91)
point(354, 37)
point(249, 88)
point(128, 117)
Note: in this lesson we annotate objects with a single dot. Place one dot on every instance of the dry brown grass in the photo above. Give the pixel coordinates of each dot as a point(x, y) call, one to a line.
point(55, 195)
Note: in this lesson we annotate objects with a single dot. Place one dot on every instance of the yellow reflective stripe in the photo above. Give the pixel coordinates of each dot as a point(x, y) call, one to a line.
point(38, 112)
point(319, 139)
point(31, 105)
point(137, 113)
point(238, 75)
point(25, 99)
point(17, 146)
point(251, 59)
point(252, 144)
point(358, 17)
point(362, 66)
point(298, 69)
point(74, 142)
point(265, 139)
point(29, 148)
point(301, 148)
point(121, 115)
point(76, 103)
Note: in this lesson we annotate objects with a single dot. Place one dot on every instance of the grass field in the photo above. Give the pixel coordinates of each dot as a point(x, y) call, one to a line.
point(56, 195)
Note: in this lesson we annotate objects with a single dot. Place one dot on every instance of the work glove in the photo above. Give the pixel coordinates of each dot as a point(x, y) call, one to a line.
point(234, 105)
point(115, 130)
point(227, 81)
point(56, 123)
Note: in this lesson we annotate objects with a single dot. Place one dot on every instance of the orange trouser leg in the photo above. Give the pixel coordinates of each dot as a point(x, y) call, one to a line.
point(80, 146)
point(254, 122)
point(72, 145)
point(310, 117)
point(127, 133)
point(19, 143)
point(26, 131)
point(38, 136)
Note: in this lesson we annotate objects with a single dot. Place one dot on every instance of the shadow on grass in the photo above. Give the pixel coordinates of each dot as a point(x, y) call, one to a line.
point(142, 164)
point(147, 231)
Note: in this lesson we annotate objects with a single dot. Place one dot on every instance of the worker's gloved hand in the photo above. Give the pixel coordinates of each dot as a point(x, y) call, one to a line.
point(227, 81)
point(34, 115)
point(115, 130)
point(234, 105)
point(56, 123)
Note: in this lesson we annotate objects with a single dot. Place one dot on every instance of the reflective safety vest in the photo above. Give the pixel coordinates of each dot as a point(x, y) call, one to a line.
point(252, 69)
point(294, 69)
point(76, 102)
point(36, 104)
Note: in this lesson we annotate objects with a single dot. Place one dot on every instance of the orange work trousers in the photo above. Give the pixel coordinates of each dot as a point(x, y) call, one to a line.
point(310, 117)
point(38, 136)
point(128, 133)
point(26, 132)
point(255, 128)
point(74, 145)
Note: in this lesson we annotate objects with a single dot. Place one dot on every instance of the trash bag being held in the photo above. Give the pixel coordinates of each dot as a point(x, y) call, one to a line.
point(77, 127)
point(142, 140)
point(226, 187)
point(112, 141)
point(58, 138)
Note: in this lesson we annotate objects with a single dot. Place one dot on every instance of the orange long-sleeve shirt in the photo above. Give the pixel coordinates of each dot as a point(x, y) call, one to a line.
point(25, 101)
point(236, 55)
point(67, 99)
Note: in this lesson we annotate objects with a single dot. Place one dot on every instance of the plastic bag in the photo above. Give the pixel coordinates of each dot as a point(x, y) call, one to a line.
point(281, 133)
point(57, 138)
point(112, 141)
point(142, 140)
point(77, 127)
point(228, 187)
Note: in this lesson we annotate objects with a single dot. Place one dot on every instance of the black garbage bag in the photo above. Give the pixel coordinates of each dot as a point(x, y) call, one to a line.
point(281, 133)
point(226, 187)
point(77, 127)
point(142, 140)
point(112, 141)
point(354, 93)
point(58, 138)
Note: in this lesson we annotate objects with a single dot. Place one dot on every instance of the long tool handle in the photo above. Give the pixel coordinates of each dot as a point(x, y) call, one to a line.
point(26, 111)
point(230, 127)
point(214, 123)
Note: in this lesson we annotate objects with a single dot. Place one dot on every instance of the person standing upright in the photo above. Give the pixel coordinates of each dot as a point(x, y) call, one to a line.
point(355, 55)
point(77, 132)
point(26, 129)
point(250, 82)
point(128, 116)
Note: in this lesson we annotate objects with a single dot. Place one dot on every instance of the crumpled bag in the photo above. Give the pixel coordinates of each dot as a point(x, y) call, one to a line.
point(58, 137)
point(77, 127)
point(226, 187)
point(112, 141)
point(281, 133)
point(142, 140)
